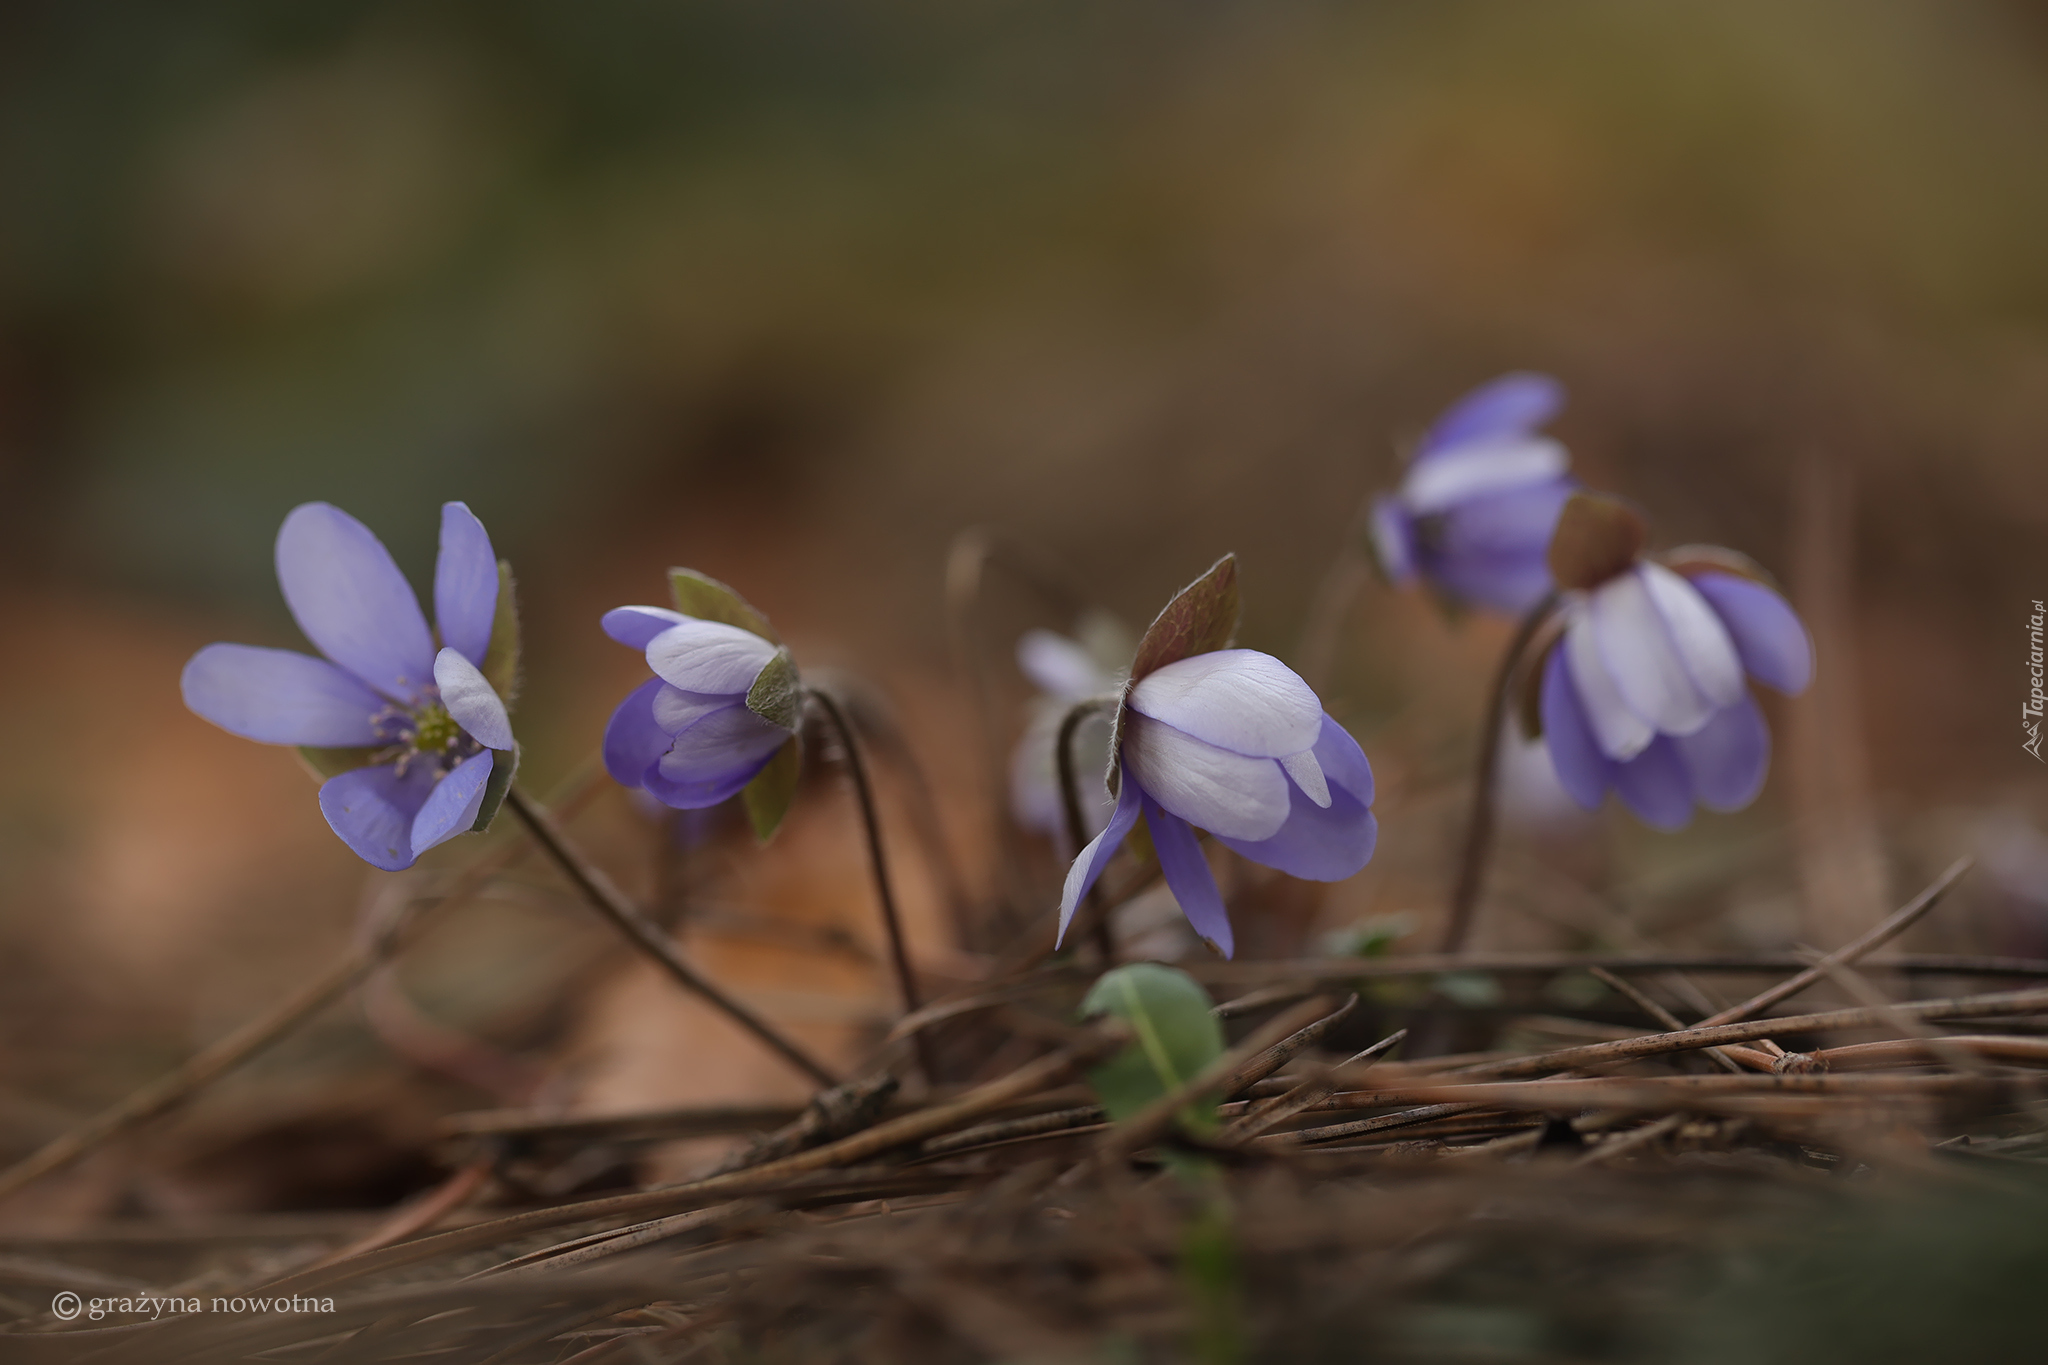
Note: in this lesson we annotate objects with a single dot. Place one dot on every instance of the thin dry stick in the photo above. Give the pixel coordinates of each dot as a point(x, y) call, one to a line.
point(2004, 1004)
point(776, 1176)
point(1077, 832)
point(411, 1219)
point(1479, 823)
point(1311, 1092)
point(209, 1065)
point(878, 864)
point(1658, 1013)
point(1634, 1138)
point(1858, 988)
point(645, 935)
point(1897, 923)
point(1282, 979)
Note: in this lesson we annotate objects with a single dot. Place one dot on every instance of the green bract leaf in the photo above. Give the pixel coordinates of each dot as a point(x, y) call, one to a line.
point(504, 767)
point(1176, 1037)
point(501, 660)
point(1202, 617)
point(777, 696)
point(327, 763)
point(707, 599)
point(768, 797)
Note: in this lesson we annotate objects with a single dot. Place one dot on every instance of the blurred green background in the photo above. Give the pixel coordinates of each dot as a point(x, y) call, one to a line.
point(793, 292)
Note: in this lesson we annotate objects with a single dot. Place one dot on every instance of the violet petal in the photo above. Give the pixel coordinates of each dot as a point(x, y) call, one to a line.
point(1701, 641)
point(351, 601)
point(1236, 699)
point(1219, 790)
point(1768, 635)
point(471, 699)
point(465, 584)
point(1620, 732)
point(719, 743)
point(372, 809)
point(279, 696)
point(633, 742)
point(1088, 865)
point(1642, 659)
point(1729, 756)
point(1582, 770)
point(1188, 876)
point(708, 656)
point(1392, 542)
point(1655, 785)
point(1509, 405)
point(1324, 844)
point(452, 806)
point(636, 626)
point(1482, 469)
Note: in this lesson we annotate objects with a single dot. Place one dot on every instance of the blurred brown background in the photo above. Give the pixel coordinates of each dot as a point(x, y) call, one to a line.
point(793, 292)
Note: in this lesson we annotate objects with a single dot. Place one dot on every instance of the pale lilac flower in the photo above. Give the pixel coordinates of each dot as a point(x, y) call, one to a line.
point(1233, 742)
point(1066, 672)
point(1473, 516)
point(687, 736)
point(426, 728)
point(1644, 692)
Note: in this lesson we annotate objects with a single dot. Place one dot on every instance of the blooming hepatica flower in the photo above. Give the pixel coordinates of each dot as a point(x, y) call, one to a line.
point(411, 736)
point(1642, 689)
point(1474, 514)
point(1233, 742)
point(1067, 671)
point(720, 715)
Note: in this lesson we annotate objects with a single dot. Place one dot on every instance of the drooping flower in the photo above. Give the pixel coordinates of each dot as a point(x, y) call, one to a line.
point(1067, 671)
point(1473, 516)
point(1233, 742)
point(410, 737)
point(720, 715)
point(1641, 689)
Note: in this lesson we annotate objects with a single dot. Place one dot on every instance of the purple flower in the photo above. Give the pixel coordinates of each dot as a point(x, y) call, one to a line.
point(1474, 515)
point(411, 735)
point(690, 736)
point(1233, 742)
point(1066, 672)
point(1643, 690)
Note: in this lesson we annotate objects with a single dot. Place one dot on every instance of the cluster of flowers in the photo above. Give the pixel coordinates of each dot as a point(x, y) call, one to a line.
point(1637, 679)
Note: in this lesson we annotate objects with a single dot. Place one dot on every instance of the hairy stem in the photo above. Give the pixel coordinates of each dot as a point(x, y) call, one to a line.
point(645, 935)
point(878, 863)
point(1077, 831)
point(1479, 823)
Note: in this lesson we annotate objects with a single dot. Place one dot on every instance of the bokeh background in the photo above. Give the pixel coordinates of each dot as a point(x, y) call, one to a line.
point(792, 293)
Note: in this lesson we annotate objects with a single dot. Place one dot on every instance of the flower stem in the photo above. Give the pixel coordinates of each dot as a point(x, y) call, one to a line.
point(878, 863)
point(1479, 823)
point(1077, 832)
point(643, 934)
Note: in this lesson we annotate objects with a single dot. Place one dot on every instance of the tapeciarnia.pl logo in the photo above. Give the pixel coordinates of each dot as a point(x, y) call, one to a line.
point(2037, 701)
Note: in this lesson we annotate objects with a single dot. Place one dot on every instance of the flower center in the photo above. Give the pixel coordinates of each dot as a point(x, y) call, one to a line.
point(433, 729)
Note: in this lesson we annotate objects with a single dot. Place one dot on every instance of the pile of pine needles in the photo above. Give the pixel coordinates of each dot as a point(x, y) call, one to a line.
point(1856, 1183)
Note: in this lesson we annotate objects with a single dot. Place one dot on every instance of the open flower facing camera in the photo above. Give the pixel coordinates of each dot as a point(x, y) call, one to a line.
point(416, 743)
point(1230, 741)
point(1640, 687)
point(1474, 514)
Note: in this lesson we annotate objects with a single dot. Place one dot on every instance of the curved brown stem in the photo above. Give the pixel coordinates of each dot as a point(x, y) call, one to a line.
point(1479, 824)
point(1077, 831)
point(643, 934)
point(878, 863)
